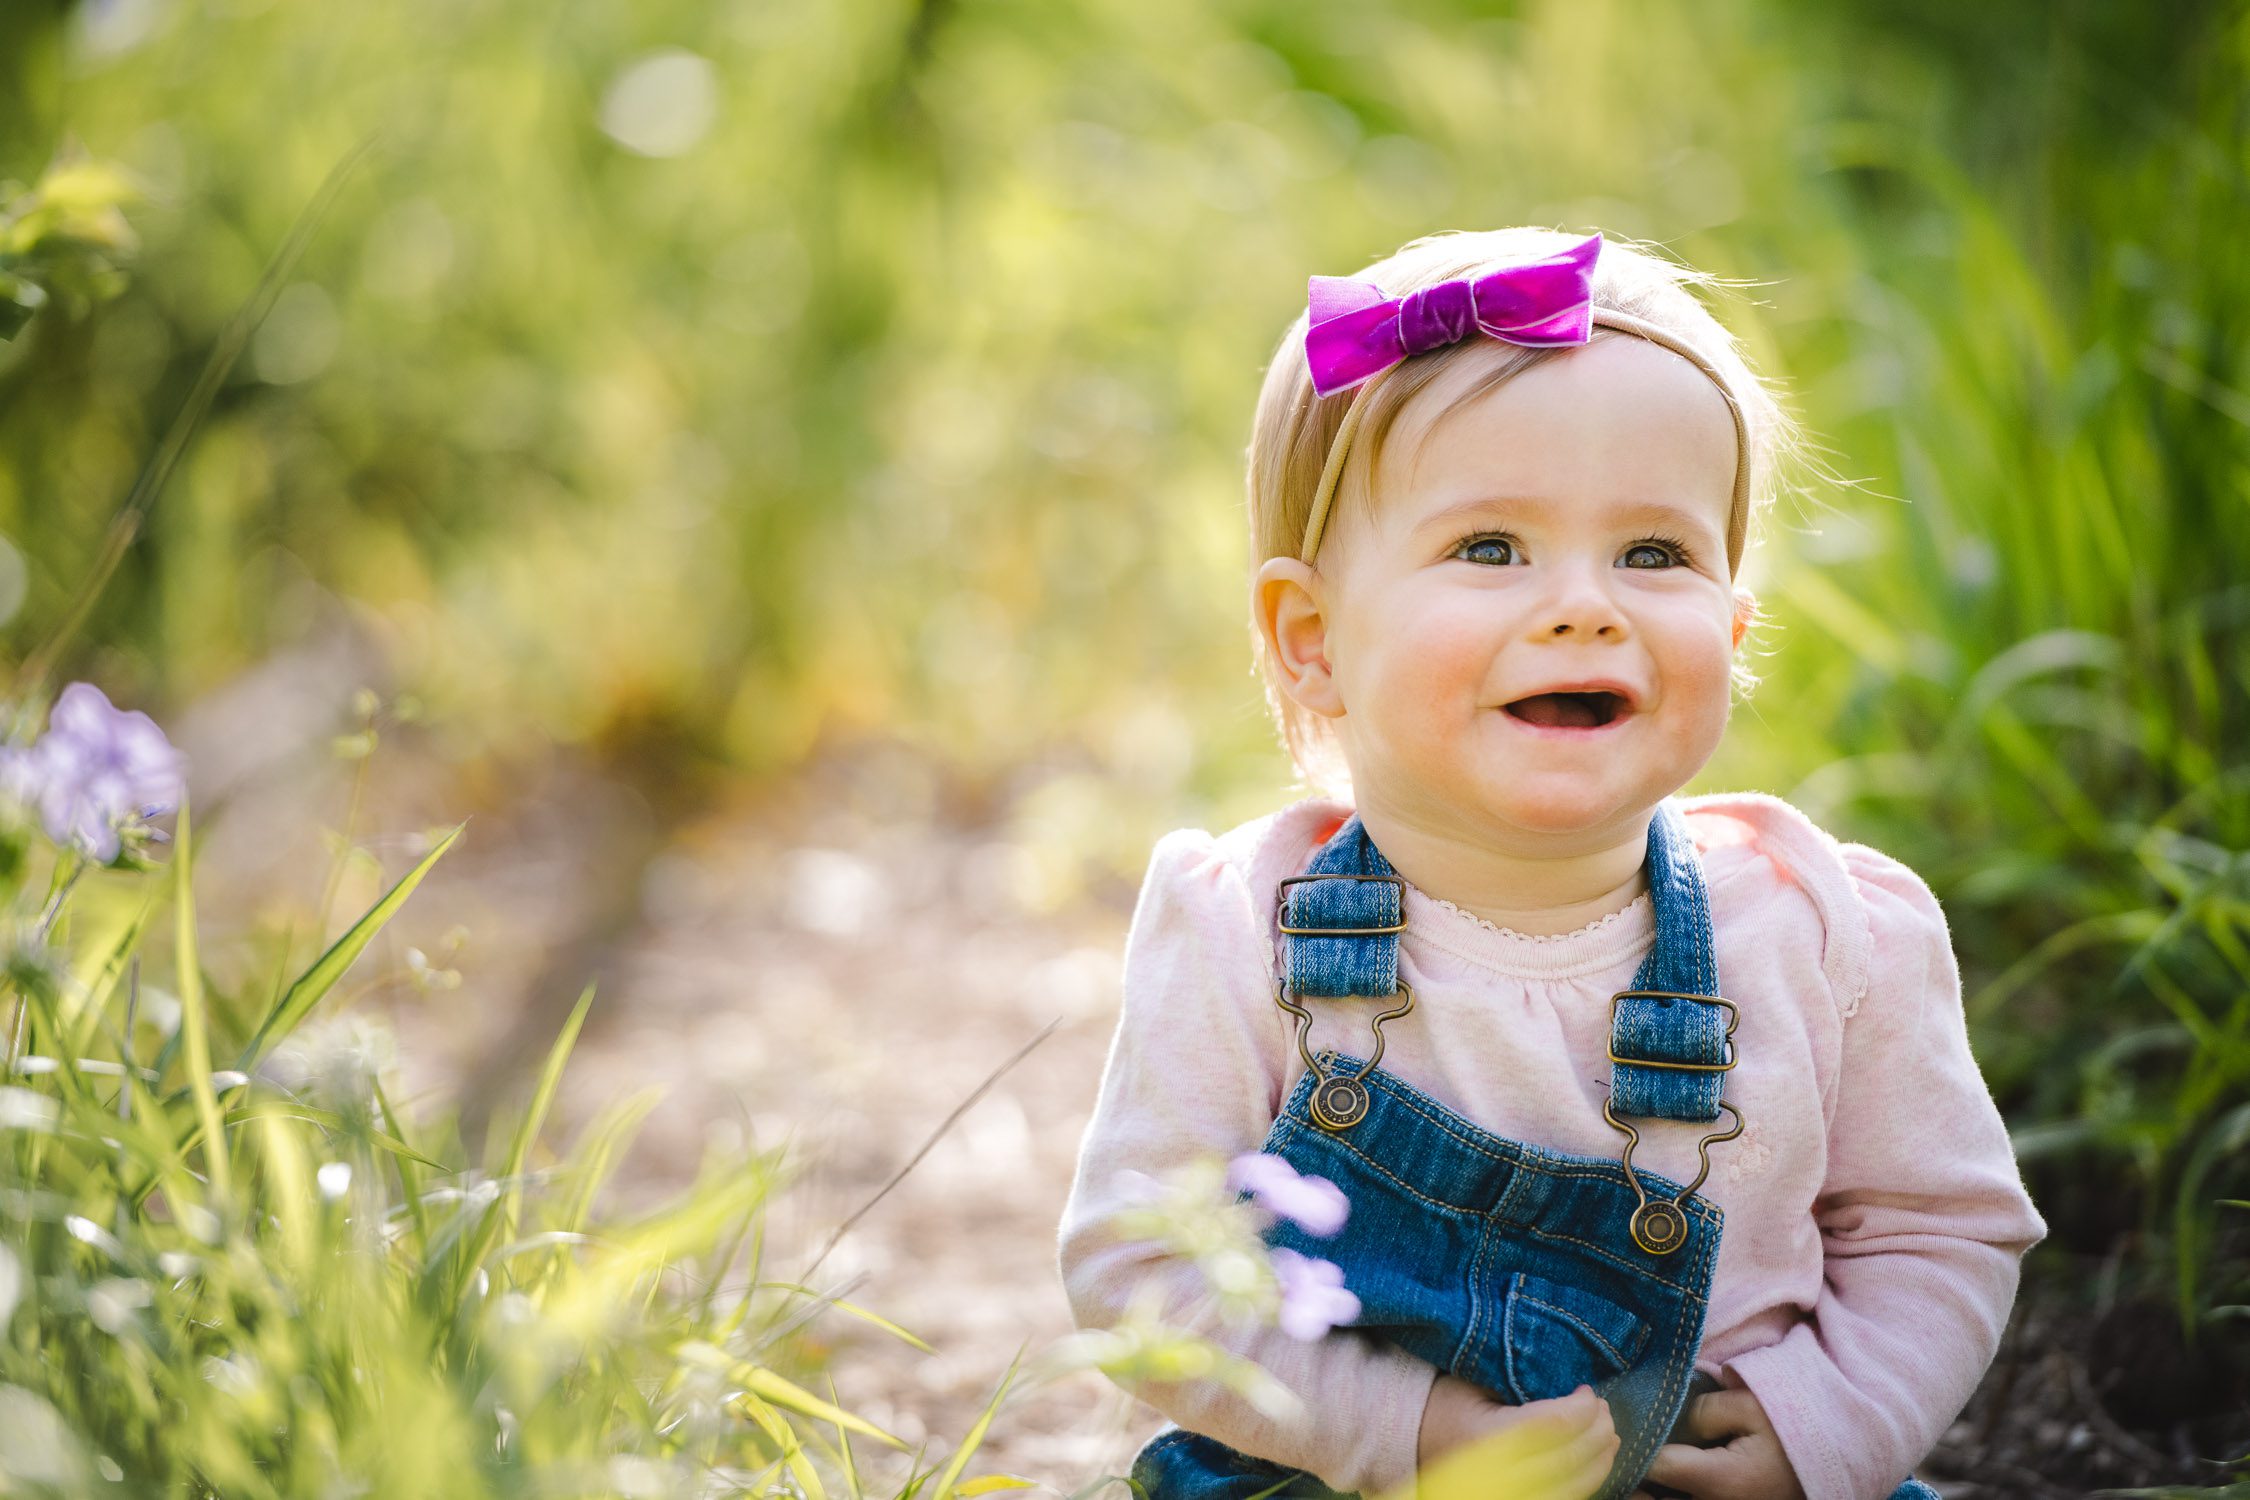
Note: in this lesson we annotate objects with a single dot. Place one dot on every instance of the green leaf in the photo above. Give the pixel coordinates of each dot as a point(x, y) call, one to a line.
point(328, 1119)
point(409, 1180)
point(103, 980)
point(975, 1438)
point(856, 1311)
point(768, 1386)
point(194, 1024)
point(297, 1002)
point(784, 1438)
point(19, 299)
point(844, 1447)
point(543, 1097)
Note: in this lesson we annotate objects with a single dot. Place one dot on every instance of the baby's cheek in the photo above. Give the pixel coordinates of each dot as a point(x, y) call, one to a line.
point(1700, 678)
point(1440, 669)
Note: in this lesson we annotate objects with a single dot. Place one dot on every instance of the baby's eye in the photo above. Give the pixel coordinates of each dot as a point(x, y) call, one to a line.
point(1497, 550)
point(1666, 554)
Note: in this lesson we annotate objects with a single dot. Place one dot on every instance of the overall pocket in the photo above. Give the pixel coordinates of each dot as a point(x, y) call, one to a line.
point(1555, 1338)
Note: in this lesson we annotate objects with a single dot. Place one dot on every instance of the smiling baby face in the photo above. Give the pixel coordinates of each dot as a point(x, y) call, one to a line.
point(1532, 626)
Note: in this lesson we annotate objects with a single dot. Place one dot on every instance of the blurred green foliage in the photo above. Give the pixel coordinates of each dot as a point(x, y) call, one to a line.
point(729, 377)
point(64, 237)
point(264, 1280)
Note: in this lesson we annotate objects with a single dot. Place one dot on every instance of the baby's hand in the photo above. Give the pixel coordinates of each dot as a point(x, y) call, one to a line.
point(1746, 1464)
point(1544, 1450)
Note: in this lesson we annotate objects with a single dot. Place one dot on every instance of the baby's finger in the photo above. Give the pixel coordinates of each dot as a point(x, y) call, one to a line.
point(1564, 1426)
point(1723, 1414)
point(1575, 1469)
point(1558, 1481)
point(1581, 1408)
point(1706, 1473)
point(1560, 1449)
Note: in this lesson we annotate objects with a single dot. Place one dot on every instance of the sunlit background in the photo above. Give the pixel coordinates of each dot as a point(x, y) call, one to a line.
point(776, 470)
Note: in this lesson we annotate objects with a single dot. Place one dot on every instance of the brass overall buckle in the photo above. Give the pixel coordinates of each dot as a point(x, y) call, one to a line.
point(1659, 1225)
point(1281, 907)
point(1338, 1101)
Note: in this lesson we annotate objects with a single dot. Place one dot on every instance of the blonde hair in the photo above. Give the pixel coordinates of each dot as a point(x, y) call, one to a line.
point(1294, 428)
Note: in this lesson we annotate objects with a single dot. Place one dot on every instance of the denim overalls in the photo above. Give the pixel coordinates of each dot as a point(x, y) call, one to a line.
point(1526, 1271)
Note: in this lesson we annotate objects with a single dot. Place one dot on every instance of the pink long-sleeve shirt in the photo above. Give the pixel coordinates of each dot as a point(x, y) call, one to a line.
point(1874, 1213)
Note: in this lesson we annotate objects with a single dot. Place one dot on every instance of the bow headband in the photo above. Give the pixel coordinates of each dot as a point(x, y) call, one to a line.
point(1354, 334)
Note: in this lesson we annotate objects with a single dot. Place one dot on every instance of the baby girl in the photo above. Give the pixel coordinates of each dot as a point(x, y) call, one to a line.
point(1656, 1114)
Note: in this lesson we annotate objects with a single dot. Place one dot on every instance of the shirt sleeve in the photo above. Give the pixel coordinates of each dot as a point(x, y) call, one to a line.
point(1196, 1068)
point(1923, 1219)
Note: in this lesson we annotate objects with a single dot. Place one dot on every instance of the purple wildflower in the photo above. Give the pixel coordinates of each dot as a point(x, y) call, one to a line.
point(1314, 1203)
point(94, 769)
point(1313, 1299)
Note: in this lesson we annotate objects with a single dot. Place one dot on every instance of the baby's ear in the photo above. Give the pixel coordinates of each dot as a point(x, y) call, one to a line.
point(1288, 604)
point(1745, 613)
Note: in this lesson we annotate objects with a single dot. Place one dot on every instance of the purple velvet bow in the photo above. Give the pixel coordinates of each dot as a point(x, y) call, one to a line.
point(1354, 331)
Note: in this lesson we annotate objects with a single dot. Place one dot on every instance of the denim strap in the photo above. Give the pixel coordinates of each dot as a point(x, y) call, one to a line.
point(1369, 894)
point(1660, 1028)
point(1362, 891)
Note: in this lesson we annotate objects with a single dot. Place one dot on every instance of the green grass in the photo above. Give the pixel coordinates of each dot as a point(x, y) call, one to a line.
point(267, 1281)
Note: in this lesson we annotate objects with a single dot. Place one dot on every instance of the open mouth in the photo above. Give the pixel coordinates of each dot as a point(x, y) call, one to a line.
point(1568, 710)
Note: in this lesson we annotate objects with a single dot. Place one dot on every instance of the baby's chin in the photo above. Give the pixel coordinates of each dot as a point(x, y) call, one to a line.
point(1560, 807)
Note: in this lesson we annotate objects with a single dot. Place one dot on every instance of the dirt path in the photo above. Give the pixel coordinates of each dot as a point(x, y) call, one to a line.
point(834, 970)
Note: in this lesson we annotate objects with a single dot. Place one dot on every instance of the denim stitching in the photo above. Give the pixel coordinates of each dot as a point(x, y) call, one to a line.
point(1393, 1178)
point(1389, 951)
point(1704, 940)
point(1508, 1347)
point(1410, 1190)
point(1529, 1159)
point(1681, 1370)
point(1624, 1360)
point(1469, 1333)
point(1421, 1105)
point(1603, 1252)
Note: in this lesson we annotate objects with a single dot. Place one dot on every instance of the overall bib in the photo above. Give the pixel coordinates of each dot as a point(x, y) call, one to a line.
point(1526, 1271)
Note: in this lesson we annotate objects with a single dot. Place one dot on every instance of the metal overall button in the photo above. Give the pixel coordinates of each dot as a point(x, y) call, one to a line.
point(1659, 1225)
point(1339, 1102)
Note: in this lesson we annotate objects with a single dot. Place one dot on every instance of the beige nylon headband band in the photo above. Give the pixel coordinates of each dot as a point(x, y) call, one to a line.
point(1738, 519)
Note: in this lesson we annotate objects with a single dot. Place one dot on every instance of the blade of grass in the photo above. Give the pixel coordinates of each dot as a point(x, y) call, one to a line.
point(601, 1148)
point(104, 979)
point(844, 1447)
point(195, 1036)
point(856, 1311)
point(409, 1180)
point(786, 1440)
point(285, 1109)
point(837, 1235)
point(975, 1437)
point(504, 1221)
point(316, 981)
point(768, 1386)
